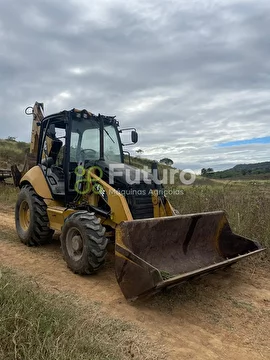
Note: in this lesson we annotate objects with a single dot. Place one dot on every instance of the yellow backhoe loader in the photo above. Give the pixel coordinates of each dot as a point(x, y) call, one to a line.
point(75, 181)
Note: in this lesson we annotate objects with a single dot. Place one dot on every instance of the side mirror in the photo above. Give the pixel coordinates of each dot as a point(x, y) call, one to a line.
point(134, 136)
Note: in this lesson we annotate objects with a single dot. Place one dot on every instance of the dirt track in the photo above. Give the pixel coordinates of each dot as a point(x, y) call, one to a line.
point(222, 316)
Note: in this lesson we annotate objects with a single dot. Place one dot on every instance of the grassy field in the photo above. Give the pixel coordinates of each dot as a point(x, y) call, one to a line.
point(12, 152)
point(8, 195)
point(247, 205)
point(36, 326)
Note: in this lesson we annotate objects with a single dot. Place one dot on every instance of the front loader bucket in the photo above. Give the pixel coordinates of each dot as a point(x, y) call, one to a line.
point(155, 253)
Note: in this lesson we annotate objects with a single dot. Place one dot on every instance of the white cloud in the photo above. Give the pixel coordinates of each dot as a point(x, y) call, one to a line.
point(187, 74)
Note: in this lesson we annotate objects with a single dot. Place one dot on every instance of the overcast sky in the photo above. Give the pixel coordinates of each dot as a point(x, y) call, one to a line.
point(191, 76)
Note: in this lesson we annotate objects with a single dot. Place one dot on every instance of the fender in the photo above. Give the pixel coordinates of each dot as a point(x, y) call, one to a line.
point(36, 178)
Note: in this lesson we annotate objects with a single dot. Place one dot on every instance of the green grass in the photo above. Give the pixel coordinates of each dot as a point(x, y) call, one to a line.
point(8, 195)
point(247, 206)
point(12, 152)
point(36, 326)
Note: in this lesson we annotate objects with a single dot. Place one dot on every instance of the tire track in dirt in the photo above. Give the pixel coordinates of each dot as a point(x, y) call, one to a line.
point(225, 315)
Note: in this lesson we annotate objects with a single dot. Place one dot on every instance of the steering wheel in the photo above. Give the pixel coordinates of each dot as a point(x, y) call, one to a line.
point(57, 169)
point(82, 151)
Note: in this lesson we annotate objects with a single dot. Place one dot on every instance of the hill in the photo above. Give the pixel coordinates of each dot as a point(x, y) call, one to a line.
point(243, 171)
point(12, 152)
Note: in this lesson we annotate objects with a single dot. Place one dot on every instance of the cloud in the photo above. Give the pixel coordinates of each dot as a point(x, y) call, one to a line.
point(187, 75)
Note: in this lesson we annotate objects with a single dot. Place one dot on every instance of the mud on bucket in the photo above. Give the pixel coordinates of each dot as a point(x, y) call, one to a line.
point(160, 252)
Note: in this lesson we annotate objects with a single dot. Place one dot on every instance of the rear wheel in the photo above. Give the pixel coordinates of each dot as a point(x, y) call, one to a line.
point(31, 219)
point(83, 242)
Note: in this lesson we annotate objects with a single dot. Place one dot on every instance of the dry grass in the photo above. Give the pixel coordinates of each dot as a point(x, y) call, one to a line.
point(35, 326)
point(8, 195)
point(246, 204)
point(38, 326)
point(12, 152)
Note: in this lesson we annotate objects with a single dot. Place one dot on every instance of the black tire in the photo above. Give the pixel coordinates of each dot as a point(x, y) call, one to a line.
point(31, 219)
point(83, 243)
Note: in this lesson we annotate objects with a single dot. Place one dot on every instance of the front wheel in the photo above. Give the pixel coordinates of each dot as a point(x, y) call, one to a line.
point(83, 243)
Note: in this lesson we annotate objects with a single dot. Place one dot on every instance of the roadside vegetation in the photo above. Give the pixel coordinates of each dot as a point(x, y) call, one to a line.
point(37, 326)
point(12, 152)
point(247, 205)
point(8, 195)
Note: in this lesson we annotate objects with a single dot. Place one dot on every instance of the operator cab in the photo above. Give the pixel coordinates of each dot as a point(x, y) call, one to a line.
point(73, 139)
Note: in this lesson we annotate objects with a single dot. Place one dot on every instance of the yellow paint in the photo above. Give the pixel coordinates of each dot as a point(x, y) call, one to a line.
point(221, 225)
point(169, 208)
point(57, 216)
point(24, 215)
point(161, 210)
point(37, 117)
point(117, 202)
point(36, 178)
point(52, 203)
point(155, 202)
point(119, 237)
point(93, 199)
point(125, 258)
point(109, 222)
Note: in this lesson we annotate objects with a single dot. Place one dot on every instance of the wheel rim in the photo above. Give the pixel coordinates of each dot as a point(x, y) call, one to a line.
point(24, 215)
point(74, 244)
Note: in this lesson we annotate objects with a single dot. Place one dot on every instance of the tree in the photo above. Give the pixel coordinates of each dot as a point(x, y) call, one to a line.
point(166, 161)
point(203, 172)
point(139, 152)
point(206, 172)
point(11, 138)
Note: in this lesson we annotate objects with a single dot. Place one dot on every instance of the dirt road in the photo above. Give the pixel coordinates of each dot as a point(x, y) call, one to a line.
point(222, 316)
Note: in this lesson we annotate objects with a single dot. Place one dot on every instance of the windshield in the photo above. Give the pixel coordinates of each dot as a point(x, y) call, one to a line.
point(85, 142)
